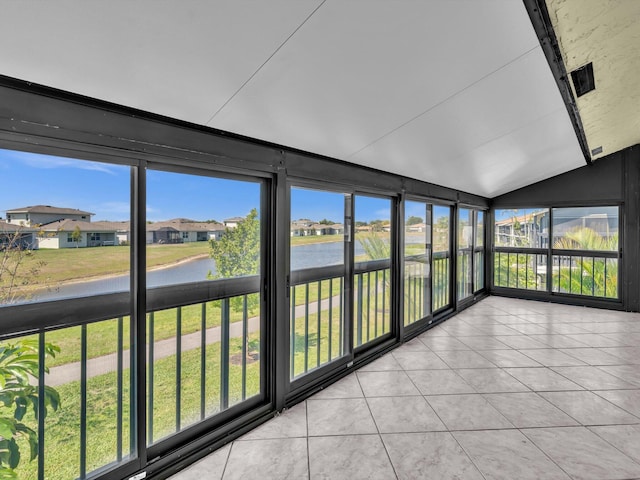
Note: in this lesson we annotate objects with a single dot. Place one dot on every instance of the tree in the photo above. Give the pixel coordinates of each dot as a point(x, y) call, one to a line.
point(237, 254)
point(413, 220)
point(378, 225)
point(18, 267)
point(441, 234)
point(19, 362)
point(76, 235)
point(324, 221)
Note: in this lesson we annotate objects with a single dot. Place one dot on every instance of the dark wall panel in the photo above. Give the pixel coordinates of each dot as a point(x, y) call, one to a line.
point(631, 235)
point(613, 180)
point(600, 182)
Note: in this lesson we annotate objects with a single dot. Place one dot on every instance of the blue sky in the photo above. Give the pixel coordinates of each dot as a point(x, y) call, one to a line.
point(103, 189)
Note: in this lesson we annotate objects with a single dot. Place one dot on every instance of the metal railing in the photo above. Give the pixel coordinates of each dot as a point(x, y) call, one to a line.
point(203, 348)
point(520, 268)
point(464, 273)
point(212, 355)
point(441, 280)
point(92, 429)
point(589, 273)
point(426, 286)
point(478, 269)
point(575, 272)
point(372, 301)
point(417, 288)
point(316, 318)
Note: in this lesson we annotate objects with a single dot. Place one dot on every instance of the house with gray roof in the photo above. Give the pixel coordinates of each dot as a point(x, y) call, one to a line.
point(181, 230)
point(42, 214)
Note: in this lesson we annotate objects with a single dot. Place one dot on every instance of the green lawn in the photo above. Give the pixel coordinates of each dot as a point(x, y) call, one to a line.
point(295, 241)
point(66, 264)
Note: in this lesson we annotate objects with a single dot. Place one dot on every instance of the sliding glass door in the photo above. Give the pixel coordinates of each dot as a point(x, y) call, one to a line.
point(205, 317)
point(417, 261)
point(372, 278)
point(470, 253)
point(318, 253)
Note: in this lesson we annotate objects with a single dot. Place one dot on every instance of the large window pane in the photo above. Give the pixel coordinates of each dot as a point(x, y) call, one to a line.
point(417, 243)
point(515, 230)
point(441, 255)
point(64, 228)
point(372, 279)
point(203, 355)
point(522, 228)
point(585, 228)
point(65, 232)
point(201, 228)
point(317, 279)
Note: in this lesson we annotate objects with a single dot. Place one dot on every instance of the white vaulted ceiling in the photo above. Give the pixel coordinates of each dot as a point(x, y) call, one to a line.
point(453, 92)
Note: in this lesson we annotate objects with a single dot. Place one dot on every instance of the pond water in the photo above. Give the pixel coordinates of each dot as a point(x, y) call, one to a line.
point(303, 256)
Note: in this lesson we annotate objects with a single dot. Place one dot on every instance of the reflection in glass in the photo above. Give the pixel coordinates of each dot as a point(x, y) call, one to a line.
point(585, 228)
point(583, 231)
point(317, 233)
point(480, 229)
point(417, 245)
point(478, 253)
point(441, 255)
point(372, 278)
point(465, 239)
point(317, 228)
point(523, 228)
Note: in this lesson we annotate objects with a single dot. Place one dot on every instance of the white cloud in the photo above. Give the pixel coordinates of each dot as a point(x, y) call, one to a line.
point(48, 161)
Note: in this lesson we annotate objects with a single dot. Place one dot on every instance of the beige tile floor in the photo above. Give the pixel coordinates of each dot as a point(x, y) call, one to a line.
point(508, 389)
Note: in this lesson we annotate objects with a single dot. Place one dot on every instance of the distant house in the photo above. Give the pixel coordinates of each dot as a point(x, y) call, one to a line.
point(180, 230)
point(61, 234)
point(15, 236)
point(324, 229)
point(232, 222)
point(531, 229)
point(305, 227)
point(44, 226)
point(43, 214)
point(301, 228)
point(417, 227)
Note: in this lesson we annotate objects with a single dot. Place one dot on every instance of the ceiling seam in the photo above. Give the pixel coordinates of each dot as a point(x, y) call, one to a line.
point(510, 132)
point(436, 105)
point(265, 62)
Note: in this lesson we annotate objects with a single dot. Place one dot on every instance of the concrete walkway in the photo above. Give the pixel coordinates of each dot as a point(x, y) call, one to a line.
point(70, 372)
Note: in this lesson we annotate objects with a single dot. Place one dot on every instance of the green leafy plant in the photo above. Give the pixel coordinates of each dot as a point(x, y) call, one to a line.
point(18, 366)
point(589, 275)
point(374, 246)
point(237, 254)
